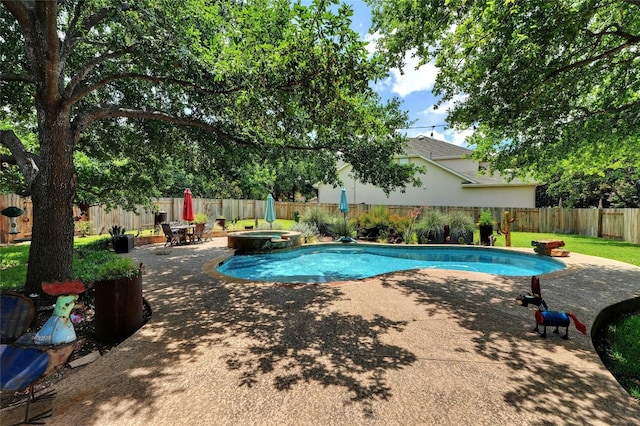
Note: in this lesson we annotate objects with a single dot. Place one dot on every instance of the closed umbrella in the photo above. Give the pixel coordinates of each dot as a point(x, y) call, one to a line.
point(270, 213)
point(344, 208)
point(344, 205)
point(187, 206)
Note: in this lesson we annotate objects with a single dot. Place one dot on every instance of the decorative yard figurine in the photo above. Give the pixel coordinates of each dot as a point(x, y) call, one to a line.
point(59, 328)
point(534, 297)
point(557, 319)
point(508, 220)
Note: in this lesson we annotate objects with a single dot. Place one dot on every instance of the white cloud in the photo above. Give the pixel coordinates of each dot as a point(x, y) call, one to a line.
point(458, 138)
point(372, 42)
point(444, 108)
point(413, 80)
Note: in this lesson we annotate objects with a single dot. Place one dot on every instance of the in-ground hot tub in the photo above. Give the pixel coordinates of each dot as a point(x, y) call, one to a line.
point(263, 241)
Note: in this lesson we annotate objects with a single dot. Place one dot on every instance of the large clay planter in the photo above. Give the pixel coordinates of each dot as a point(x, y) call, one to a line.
point(119, 308)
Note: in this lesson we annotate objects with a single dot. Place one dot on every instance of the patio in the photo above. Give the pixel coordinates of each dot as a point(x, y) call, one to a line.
point(432, 347)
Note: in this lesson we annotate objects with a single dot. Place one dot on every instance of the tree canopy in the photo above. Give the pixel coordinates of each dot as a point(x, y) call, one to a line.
point(542, 81)
point(126, 93)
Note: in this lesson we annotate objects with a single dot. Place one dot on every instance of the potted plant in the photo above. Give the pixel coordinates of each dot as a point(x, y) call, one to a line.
point(200, 218)
point(121, 241)
point(430, 227)
point(159, 216)
point(461, 227)
point(220, 221)
point(485, 223)
point(117, 285)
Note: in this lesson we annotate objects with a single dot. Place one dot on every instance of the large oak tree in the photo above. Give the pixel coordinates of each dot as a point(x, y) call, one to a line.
point(549, 84)
point(212, 84)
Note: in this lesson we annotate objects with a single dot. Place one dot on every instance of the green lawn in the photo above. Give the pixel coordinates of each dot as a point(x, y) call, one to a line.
point(609, 249)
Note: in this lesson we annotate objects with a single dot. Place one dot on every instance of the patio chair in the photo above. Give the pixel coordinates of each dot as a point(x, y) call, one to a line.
point(198, 233)
point(173, 237)
point(21, 366)
point(16, 314)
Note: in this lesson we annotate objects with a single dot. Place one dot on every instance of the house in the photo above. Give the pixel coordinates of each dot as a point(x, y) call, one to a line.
point(451, 179)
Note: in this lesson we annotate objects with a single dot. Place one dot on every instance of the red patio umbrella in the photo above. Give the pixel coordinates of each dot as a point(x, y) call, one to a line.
point(187, 206)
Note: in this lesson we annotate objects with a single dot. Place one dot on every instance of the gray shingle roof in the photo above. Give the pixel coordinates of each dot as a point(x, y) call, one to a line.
point(434, 149)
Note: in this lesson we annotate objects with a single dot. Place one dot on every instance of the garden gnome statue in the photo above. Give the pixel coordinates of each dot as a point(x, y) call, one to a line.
point(59, 328)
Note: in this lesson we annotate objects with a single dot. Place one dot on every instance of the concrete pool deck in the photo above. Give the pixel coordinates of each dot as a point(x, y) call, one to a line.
point(429, 347)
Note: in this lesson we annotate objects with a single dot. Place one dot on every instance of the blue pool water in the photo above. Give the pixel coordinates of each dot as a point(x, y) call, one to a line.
point(332, 262)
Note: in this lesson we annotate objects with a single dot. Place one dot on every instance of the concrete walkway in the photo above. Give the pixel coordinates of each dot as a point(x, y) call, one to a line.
point(412, 348)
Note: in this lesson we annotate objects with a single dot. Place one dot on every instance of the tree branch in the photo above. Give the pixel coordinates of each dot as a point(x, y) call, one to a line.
point(618, 32)
point(612, 52)
point(114, 77)
point(113, 111)
point(69, 91)
point(73, 33)
point(17, 77)
point(19, 11)
point(26, 161)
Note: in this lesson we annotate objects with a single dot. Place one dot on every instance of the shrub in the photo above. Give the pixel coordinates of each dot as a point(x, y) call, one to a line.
point(372, 224)
point(308, 230)
point(318, 217)
point(396, 227)
point(486, 218)
point(274, 225)
point(461, 225)
point(430, 226)
point(84, 228)
point(104, 265)
point(97, 245)
point(342, 228)
point(200, 218)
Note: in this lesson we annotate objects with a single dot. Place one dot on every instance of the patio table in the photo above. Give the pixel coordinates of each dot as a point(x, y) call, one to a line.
point(186, 233)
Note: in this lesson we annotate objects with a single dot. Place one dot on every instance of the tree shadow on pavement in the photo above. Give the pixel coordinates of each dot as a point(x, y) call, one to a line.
point(544, 379)
point(293, 333)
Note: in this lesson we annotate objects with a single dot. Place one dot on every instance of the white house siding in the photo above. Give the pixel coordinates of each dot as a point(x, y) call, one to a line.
point(440, 187)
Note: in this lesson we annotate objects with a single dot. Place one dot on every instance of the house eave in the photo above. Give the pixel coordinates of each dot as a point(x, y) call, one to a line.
point(498, 185)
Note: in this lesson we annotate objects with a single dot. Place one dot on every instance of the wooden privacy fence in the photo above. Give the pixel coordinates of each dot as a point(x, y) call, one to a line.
point(616, 224)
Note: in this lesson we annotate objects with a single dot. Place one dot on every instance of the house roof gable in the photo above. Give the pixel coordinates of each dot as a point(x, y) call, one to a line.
point(434, 149)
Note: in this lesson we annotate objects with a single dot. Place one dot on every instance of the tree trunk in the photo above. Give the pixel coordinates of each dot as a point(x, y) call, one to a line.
point(53, 191)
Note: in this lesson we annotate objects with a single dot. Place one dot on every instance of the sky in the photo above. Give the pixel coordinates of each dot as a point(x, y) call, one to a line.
point(413, 86)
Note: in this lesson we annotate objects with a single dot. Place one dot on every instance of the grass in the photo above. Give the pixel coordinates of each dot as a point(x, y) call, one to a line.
point(609, 249)
point(623, 356)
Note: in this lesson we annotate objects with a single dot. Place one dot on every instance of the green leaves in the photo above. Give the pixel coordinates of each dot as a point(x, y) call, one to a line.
point(541, 79)
point(229, 80)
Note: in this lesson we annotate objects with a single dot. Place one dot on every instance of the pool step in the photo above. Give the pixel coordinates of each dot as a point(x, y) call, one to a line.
point(280, 242)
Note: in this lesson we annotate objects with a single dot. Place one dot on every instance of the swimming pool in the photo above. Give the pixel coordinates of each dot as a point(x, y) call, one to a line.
point(335, 262)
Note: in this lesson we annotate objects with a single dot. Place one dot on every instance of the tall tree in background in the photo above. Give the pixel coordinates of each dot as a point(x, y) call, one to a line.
point(209, 84)
point(547, 83)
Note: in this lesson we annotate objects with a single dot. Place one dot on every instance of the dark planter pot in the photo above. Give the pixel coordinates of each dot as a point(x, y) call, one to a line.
point(456, 235)
point(119, 308)
point(485, 232)
point(123, 243)
point(160, 217)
